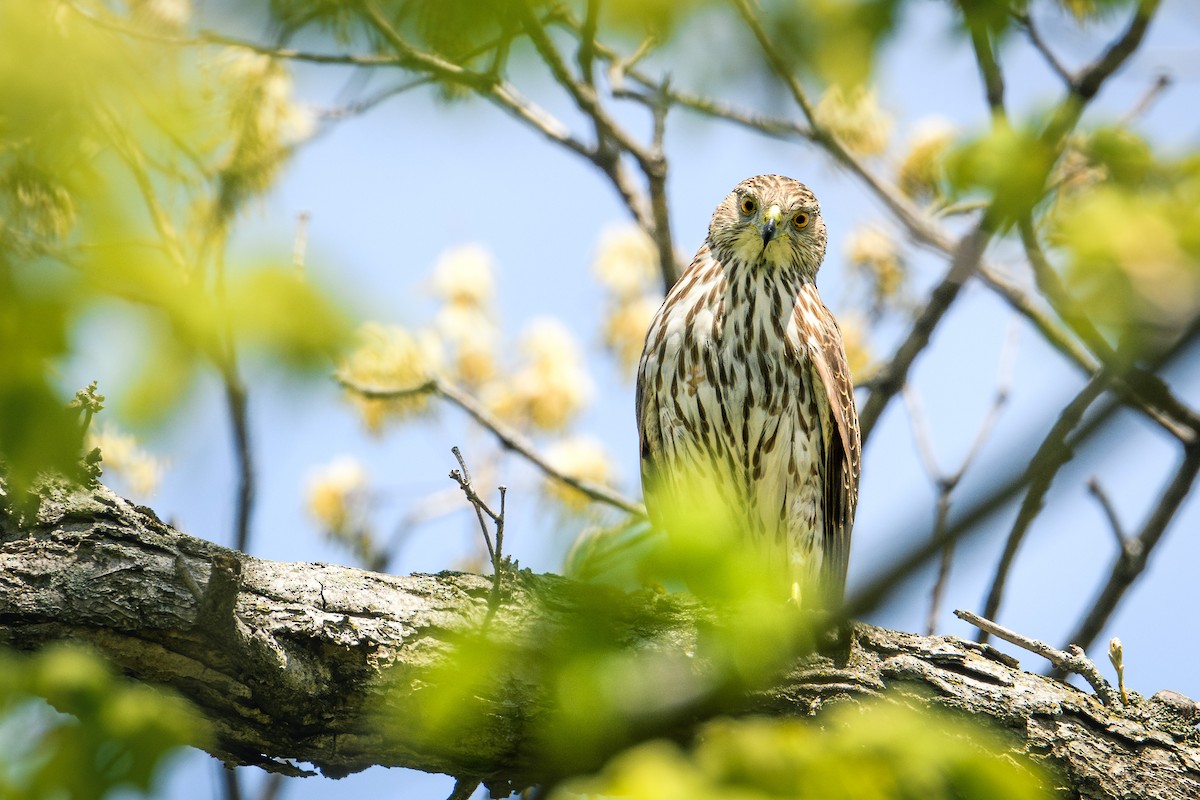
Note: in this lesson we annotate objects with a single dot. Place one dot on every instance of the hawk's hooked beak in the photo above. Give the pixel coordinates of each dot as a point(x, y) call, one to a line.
point(771, 220)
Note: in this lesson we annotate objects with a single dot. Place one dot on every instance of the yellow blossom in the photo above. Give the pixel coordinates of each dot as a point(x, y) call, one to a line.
point(922, 170)
point(625, 329)
point(855, 118)
point(390, 357)
point(626, 261)
point(167, 14)
point(875, 251)
point(859, 357)
point(549, 388)
point(553, 385)
point(337, 496)
point(582, 458)
point(122, 455)
point(473, 338)
point(465, 275)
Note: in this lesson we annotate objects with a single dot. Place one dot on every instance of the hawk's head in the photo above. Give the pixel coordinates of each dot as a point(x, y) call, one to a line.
point(770, 221)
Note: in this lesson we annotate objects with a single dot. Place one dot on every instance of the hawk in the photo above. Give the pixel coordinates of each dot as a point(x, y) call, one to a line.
point(743, 392)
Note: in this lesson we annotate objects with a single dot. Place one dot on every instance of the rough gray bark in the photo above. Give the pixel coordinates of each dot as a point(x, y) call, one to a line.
point(288, 660)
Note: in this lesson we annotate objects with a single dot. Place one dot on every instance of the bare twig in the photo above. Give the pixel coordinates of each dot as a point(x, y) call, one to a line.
point(946, 483)
point(236, 401)
point(611, 141)
point(989, 68)
point(462, 477)
point(502, 93)
point(1110, 512)
point(230, 787)
point(1086, 84)
point(1132, 558)
point(894, 375)
point(1162, 82)
point(464, 788)
point(1141, 389)
point(1050, 457)
point(509, 437)
point(1072, 660)
point(1039, 44)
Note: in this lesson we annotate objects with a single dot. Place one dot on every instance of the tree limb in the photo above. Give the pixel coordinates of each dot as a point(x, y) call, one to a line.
point(288, 660)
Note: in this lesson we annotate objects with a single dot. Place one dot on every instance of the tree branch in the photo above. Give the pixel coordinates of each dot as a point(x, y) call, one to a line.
point(1132, 558)
point(295, 662)
point(509, 437)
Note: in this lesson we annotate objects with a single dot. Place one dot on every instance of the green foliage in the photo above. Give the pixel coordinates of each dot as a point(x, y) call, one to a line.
point(1129, 230)
point(121, 167)
point(881, 752)
point(1007, 167)
point(834, 40)
point(111, 734)
point(594, 659)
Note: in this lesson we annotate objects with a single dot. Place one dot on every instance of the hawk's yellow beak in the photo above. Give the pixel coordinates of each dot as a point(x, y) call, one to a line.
point(770, 222)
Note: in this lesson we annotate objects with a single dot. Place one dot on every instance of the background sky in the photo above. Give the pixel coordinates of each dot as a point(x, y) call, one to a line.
point(390, 191)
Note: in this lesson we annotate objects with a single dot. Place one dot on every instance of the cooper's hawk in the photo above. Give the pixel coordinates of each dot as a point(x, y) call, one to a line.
point(743, 391)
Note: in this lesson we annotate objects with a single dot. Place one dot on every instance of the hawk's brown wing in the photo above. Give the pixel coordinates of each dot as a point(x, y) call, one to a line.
point(842, 457)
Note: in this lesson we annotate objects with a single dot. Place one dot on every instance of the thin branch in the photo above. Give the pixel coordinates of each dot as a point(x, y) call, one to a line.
point(586, 54)
point(464, 788)
point(1132, 559)
point(501, 93)
point(1039, 44)
point(894, 374)
point(611, 142)
point(1050, 457)
point(290, 54)
point(947, 482)
point(1073, 660)
point(1110, 512)
point(509, 437)
point(1145, 391)
point(1162, 82)
point(230, 788)
point(134, 158)
point(1088, 81)
point(989, 68)
point(915, 220)
point(236, 402)
point(877, 588)
point(462, 476)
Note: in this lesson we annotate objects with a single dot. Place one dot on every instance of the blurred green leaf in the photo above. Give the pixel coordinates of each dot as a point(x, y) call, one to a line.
point(879, 752)
point(108, 734)
point(284, 314)
point(123, 160)
point(1007, 166)
point(835, 40)
point(1133, 256)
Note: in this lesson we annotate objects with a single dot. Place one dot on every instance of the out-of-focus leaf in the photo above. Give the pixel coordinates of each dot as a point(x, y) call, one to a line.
point(1133, 257)
point(108, 734)
point(600, 672)
point(286, 315)
point(1125, 156)
point(881, 752)
point(835, 39)
point(1007, 167)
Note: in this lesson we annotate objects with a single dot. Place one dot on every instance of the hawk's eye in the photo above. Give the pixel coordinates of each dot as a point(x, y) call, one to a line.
point(747, 205)
point(800, 221)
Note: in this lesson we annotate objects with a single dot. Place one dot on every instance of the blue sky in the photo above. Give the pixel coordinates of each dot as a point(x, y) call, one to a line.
point(390, 191)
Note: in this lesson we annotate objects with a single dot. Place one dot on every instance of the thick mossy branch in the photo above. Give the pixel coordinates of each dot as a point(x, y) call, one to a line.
point(345, 669)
